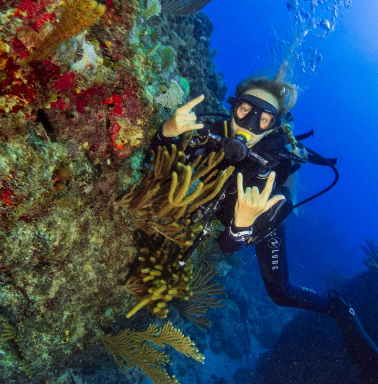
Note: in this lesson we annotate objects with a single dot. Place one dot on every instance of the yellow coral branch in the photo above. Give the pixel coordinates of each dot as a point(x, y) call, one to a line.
point(161, 198)
point(129, 347)
point(173, 188)
point(78, 15)
point(140, 305)
point(192, 197)
point(185, 186)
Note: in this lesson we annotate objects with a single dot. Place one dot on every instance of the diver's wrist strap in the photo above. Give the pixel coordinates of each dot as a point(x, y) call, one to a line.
point(239, 232)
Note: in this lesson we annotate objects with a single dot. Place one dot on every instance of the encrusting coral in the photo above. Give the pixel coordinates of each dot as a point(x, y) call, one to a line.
point(161, 204)
point(130, 348)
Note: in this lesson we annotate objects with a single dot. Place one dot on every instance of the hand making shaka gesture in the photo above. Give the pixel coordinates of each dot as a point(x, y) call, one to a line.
point(182, 119)
point(251, 203)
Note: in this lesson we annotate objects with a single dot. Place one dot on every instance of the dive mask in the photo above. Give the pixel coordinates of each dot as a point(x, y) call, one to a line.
point(252, 113)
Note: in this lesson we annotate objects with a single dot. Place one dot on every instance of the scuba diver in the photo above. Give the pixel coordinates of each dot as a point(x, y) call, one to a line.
point(254, 207)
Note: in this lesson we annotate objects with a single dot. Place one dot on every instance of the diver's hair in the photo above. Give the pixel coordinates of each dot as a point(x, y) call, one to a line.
point(285, 93)
point(288, 129)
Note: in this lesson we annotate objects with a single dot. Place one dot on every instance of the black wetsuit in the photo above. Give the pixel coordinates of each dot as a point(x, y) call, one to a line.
point(271, 252)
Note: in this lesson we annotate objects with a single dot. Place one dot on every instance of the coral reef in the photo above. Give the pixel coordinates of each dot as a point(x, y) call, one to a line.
point(59, 247)
point(190, 37)
point(78, 106)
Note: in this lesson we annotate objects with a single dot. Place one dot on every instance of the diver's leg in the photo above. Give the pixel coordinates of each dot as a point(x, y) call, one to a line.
point(359, 345)
point(272, 258)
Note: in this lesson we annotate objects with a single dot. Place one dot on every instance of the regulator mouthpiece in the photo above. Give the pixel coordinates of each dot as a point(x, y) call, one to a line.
point(246, 135)
point(235, 150)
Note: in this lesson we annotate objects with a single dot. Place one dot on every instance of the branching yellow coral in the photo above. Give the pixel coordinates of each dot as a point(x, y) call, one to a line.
point(195, 313)
point(170, 191)
point(130, 348)
point(169, 335)
point(78, 15)
point(158, 280)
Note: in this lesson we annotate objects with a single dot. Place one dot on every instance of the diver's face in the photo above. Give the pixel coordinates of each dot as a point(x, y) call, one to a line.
point(266, 118)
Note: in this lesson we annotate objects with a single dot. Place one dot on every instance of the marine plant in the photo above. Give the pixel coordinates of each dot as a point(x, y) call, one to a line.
point(11, 337)
point(370, 249)
point(130, 349)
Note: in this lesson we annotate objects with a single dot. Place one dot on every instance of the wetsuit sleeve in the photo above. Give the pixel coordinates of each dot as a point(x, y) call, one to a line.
point(160, 140)
point(234, 239)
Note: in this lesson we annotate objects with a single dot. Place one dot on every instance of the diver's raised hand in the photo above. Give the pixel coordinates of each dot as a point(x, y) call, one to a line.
point(182, 120)
point(251, 203)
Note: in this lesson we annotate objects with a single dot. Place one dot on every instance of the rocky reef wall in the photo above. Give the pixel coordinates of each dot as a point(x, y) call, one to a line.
point(79, 89)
